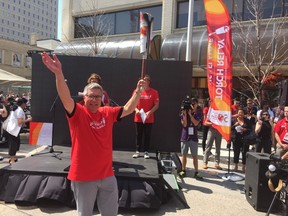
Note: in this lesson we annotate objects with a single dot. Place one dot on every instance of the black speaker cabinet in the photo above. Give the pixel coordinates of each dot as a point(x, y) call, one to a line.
point(256, 183)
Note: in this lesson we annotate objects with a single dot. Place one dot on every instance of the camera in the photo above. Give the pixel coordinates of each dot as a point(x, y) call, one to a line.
point(186, 104)
point(277, 168)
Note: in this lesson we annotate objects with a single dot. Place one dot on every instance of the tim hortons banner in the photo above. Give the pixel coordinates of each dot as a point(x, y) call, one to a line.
point(219, 66)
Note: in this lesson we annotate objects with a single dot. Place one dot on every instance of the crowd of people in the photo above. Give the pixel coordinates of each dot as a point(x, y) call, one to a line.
point(91, 121)
point(253, 128)
point(14, 116)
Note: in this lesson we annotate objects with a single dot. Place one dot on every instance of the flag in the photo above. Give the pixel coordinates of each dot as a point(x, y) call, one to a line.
point(219, 66)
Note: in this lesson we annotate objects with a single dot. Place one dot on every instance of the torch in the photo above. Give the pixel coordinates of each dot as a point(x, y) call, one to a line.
point(146, 23)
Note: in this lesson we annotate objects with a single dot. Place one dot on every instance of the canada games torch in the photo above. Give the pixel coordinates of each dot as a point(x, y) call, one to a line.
point(146, 23)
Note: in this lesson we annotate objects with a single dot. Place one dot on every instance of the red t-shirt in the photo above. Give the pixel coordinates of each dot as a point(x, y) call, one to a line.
point(234, 109)
point(91, 136)
point(105, 98)
point(205, 112)
point(281, 128)
point(147, 101)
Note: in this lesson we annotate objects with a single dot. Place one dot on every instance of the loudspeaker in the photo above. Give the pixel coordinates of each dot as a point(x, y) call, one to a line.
point(283, 92)
point(256, 183)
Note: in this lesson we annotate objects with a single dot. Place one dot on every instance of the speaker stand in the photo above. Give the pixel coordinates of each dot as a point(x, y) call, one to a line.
point(230, 176)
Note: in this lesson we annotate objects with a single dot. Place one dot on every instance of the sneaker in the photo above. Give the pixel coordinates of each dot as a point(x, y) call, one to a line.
point(197, 176)
point(182, 174)
point(136, 155)
point(1, 158)
point(146, 155)
point(217, 166)
point(204, 166)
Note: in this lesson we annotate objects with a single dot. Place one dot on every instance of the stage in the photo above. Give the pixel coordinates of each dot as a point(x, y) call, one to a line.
point(43, 176)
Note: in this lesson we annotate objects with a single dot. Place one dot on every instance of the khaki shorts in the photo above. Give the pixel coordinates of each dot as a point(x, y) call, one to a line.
point(192, 145)
point(279, 150)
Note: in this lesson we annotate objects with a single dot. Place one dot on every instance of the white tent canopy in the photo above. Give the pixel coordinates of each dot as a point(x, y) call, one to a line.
point(7, 78)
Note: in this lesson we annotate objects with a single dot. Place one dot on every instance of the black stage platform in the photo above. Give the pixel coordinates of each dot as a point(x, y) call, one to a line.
point(43, 176)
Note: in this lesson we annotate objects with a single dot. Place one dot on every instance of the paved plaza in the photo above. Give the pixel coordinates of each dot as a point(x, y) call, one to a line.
point(213, 196)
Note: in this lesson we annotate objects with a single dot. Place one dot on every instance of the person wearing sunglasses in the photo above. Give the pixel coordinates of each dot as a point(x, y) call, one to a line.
point(264, 130)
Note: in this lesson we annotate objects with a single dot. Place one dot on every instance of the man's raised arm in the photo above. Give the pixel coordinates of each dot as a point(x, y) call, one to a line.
point(55, 66)
point(130, 106)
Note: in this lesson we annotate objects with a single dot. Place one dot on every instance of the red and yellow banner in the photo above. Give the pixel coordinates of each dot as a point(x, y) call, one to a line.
point(219, 66)
point(40, 133)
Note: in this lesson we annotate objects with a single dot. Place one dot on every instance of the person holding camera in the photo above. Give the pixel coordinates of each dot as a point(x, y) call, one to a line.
point(264, 130)
point(190, 118)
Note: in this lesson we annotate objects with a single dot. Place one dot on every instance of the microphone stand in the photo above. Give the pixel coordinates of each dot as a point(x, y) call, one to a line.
point(51, 150)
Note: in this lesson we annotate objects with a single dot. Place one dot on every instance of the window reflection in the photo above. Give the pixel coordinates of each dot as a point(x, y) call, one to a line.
point(127, 22)
point(16, 60)
point(239, 11)
point(115, 23)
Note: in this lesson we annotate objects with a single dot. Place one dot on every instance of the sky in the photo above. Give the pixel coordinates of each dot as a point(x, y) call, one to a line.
point(59, 20)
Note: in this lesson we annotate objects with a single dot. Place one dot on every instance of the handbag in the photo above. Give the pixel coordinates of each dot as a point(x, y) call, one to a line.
point(11, 124)
point(251, 138)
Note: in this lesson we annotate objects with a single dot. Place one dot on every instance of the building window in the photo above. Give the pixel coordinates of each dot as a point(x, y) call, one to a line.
point(118, 23)
point(16, 61)
point(127, 22)
point(28, 62)
point(94, 25)
point(271, 8)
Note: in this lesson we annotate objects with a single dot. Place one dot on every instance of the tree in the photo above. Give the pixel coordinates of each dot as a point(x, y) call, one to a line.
point(93, 29)
point(260, 46)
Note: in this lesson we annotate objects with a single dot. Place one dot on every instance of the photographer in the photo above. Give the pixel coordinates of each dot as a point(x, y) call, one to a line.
point(190, 118)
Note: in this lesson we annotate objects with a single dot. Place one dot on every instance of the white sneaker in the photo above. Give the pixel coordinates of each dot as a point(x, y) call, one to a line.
point(136, 155)
point(146, 155)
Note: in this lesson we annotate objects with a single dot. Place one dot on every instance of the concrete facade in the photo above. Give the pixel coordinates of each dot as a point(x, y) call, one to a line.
point(8, 50)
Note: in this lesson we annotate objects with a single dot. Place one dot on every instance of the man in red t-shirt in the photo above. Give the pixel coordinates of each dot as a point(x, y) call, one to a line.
point(91, 174)
point(281, 134)
point(144, 117)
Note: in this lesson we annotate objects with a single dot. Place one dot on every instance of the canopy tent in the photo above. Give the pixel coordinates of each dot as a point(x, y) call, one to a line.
point(7, 78)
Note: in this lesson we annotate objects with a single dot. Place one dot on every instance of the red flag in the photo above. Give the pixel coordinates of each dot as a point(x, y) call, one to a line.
point(219, 66)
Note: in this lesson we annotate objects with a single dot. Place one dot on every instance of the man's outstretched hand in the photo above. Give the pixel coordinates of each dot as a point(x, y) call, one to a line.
point(53, 64)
